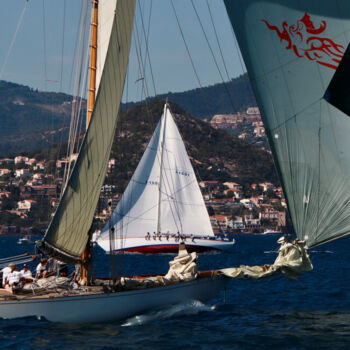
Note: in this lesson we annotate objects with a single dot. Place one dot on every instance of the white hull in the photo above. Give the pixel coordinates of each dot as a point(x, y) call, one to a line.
point(114, 306)
point(142, 245)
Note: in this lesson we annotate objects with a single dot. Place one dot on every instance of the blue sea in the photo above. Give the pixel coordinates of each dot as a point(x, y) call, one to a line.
point(312, 312)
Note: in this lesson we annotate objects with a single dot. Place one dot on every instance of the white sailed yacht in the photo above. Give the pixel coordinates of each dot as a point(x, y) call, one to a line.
point(162, 204)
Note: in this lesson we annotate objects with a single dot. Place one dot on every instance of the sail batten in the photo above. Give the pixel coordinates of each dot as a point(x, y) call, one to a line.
point(68, 232)
point(292, 50)
point(181, 203)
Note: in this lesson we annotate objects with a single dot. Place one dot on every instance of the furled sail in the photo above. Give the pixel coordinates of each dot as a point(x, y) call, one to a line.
point(164, 177)
point(68, 232)
point(292, 50)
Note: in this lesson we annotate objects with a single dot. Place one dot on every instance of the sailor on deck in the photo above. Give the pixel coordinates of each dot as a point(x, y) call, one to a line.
point(26, 274)
point(13, 277)
point(5, 271)
point(41, 268)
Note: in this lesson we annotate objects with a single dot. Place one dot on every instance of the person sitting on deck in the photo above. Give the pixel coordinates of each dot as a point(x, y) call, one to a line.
point(192, 237)
point(148, 236)
point(26, 274)
point(41, 271)
point(13, 277)
point(154, 235)
point(5, 271)
point(159, 236)
point(167, 235)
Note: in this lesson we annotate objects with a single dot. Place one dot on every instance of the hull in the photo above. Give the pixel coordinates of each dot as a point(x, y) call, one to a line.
point(114, 306)
point(152, 246)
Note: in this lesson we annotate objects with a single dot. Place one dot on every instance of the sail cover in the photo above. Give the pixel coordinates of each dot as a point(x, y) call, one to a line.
point(163, 177)
point(68, 232)
point(292, 50)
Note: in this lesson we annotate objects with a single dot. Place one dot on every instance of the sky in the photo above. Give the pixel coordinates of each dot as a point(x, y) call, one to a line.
point(36, 51)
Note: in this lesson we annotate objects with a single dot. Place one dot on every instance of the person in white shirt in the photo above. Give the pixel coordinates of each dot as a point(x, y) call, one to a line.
point(41, 271)
point(13, 277)
point(5, 271)
point(26, 274)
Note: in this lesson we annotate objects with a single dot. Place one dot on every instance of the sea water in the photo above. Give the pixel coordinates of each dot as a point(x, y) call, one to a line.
point(274, 313)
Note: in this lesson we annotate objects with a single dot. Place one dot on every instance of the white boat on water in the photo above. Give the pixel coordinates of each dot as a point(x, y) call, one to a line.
point(24, 240)
point(162, 204)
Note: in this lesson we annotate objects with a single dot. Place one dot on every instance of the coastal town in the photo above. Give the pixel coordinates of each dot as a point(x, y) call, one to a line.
point(30, 190)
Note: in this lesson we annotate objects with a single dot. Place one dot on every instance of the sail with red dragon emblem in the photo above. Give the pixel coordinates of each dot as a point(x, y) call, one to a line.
point(292, 50)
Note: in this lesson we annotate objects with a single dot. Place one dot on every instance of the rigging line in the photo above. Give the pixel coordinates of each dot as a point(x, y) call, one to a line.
point(64, 122)
point(184, 40)
point(213, 56)
point(241, 62)
point(45, 55)
point(13, 39)
point(62, 48)
point(146, 37)
point(217, 40)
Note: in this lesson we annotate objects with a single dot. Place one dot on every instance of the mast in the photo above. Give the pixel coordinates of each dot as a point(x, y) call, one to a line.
point(93, 61)
point(86, 256)
point(161, 170)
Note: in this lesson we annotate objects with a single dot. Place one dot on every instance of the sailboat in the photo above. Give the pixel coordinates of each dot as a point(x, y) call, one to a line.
point(162, 204)
point(68, 237)
point(293, 51)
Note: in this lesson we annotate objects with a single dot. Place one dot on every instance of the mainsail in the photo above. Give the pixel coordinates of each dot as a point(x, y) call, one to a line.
point(68, 232)
point(292, 50)
point(163, 193)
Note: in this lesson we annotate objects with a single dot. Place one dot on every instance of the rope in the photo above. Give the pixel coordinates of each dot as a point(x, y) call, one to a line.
point(14, 38)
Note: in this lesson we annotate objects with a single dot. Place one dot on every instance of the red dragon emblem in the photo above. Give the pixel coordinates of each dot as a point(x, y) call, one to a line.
point(305, 40)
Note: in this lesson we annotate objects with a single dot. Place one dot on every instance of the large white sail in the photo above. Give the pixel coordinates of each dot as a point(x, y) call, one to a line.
point(163, 177)
point(291, 50)
point(68, 232)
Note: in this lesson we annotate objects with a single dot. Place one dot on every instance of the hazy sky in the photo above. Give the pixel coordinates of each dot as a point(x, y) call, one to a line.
point(170, 63)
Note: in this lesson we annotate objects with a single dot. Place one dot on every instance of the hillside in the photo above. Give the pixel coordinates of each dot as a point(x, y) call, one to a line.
point(30, 119)
point(216, 154)
point(230, 97)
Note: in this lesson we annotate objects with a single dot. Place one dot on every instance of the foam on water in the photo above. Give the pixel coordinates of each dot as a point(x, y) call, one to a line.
point(187, 308)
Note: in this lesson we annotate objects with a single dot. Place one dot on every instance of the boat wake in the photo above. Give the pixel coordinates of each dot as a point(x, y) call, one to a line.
point(189, 308)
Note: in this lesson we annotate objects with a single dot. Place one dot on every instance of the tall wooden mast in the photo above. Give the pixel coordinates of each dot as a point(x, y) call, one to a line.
point(86, 256)
point(93, 60)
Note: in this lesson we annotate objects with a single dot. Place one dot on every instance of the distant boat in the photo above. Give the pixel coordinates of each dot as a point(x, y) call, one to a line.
point(271, 232)
point(162, 204)
point(24, 240)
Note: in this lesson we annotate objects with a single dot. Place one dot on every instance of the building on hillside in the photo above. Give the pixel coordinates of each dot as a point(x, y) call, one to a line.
point(248, 203)
point(209, 184)
point(44, 191)
point(112, 163)
point(22, 172)
point(39, 166)
point(236, 224)
point(26, 205)
point(266, 186)
point(5, 172)
point(252, 223)
point(6, 160)
point(259, 131)
point(20, 159)
point(233, 186)
point(31, 162)
point(271, 214)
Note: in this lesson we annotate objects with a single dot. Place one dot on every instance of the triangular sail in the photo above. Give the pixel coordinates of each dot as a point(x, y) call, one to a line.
point(291, 50)
point(68, 232)
point(182, 207)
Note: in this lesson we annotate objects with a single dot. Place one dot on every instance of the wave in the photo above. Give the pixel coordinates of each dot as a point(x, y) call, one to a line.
point(189, 308)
